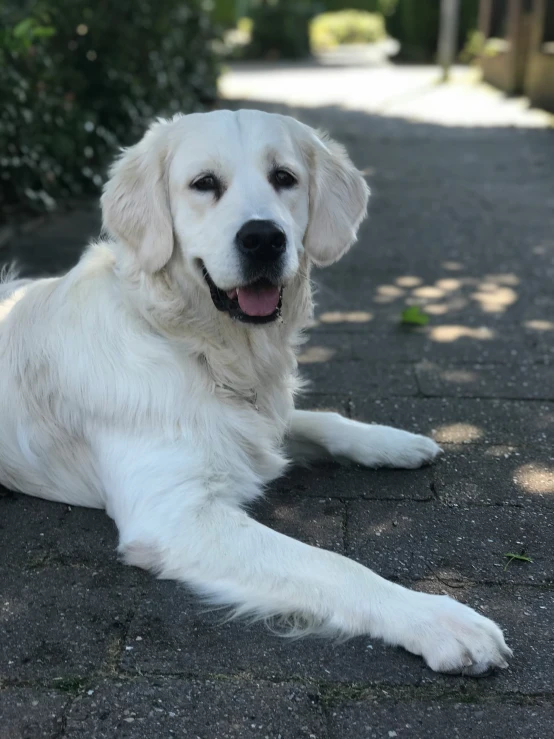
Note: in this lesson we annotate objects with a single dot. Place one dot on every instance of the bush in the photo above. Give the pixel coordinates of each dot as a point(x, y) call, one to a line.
point(236, 39)
point(346, 27)
point(224, 12)
point(279, 31)
point(80, 79)
point(473, 47)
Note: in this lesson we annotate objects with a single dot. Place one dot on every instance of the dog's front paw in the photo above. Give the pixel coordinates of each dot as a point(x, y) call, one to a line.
point(383, 446)
point(412, 450)
point(455, 639)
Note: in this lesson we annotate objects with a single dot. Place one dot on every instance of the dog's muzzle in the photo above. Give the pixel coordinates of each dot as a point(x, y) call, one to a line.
point(262, 246)
point(257, 302)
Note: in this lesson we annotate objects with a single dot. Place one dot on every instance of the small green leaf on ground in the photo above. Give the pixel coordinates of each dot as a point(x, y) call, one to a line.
point(414, 316)
point(517, 557)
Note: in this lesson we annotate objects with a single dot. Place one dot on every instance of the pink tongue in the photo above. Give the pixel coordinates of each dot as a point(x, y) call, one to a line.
point(258, 301)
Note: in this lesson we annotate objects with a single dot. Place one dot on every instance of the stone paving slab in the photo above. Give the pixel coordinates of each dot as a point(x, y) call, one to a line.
point(29, 529)
point(495, 475)
point(61, 621)
point(35, 533)
point(410, 541)
point(441, 228)
point(405, 720)
point(445, 161)
point(521, 381)
point(376, 380)
point(344, 335)
point(27, 713)
point(467, 420)
point(465, 473)
point(490, 285)
point(352, 481)
point(88, 537)
point(511, 381)
point(319, 522)
point(473, 310)
point(214, 709)
point(478, 302)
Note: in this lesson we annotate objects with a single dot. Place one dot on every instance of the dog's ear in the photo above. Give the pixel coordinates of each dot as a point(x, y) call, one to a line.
point(135, 203)
point(338, 200)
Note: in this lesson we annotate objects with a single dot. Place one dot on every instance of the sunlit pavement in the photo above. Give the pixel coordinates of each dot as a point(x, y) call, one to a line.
point(412, 92)
point(461, 224)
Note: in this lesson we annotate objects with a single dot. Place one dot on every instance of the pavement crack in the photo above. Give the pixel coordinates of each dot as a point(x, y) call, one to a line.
point(116, 646)
point(345, 520)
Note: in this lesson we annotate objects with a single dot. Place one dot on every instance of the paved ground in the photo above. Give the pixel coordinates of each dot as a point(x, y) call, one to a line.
point(462, 221)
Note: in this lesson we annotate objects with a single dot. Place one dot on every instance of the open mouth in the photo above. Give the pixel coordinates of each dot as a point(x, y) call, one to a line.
point(258, 302)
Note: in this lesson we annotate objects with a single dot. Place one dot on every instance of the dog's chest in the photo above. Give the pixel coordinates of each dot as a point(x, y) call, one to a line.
point(258, 371)
point(254, 401)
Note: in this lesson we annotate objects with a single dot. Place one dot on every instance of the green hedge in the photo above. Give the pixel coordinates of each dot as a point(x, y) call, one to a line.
point(79, 79)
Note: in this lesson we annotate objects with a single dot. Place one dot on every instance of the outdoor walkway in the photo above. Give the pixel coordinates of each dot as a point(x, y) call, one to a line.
point(461, 223)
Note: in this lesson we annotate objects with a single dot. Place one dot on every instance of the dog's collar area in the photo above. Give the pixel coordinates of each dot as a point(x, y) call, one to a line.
point(226, 304)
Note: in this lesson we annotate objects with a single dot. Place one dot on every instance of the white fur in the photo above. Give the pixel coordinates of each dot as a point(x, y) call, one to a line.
point(122, 387)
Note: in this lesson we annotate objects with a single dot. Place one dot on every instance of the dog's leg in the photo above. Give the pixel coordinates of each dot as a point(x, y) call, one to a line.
point(182, 521)
point(369, 445)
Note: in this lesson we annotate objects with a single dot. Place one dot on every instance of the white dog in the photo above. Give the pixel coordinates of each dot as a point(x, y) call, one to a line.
point(157, 378)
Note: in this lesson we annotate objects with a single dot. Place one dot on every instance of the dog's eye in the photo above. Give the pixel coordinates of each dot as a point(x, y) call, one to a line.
point(207, 183)
point(282, 179)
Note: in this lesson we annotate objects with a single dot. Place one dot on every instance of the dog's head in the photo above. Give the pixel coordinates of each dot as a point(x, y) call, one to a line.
point(237, 197)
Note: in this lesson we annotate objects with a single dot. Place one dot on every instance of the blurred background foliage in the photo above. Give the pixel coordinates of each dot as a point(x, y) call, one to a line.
point(329, 30)
point(79, 79)
point(292, 28)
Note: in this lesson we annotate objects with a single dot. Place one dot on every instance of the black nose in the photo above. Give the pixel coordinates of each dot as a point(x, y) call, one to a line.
point(263, 241)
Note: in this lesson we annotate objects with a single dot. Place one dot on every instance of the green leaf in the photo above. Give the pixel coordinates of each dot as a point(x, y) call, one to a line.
point(23, 28)
point(414, 316)
point(517, 557)
point(43, 31)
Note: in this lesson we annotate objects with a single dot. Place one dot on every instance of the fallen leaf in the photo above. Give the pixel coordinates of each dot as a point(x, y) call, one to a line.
point(414, 316)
